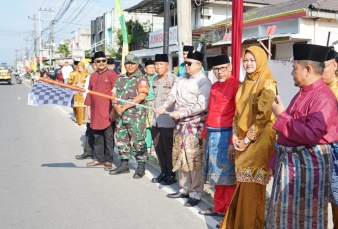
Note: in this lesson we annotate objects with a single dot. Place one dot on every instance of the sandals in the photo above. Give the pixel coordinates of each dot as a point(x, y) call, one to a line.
point(210, 212)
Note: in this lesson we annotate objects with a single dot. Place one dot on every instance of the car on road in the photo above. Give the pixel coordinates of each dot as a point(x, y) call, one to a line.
point(5, 73)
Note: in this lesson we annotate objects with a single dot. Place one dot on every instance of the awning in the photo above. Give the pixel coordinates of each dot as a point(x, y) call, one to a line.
point(275, 37)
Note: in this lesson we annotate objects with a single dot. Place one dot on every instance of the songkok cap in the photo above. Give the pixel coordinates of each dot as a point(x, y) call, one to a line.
point(110, 61)
point(332, 54)
point(130, 58)
point(310, 52)
point(220, 59)
point(195, 55)
point(99, 54)
point(148, 62)
point(161, 58)
point(76, 62)
point(187, 48)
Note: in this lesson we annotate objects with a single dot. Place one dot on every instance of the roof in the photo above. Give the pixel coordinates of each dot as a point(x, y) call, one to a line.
point(157, 6)
point(153, 6)
point(287, 6)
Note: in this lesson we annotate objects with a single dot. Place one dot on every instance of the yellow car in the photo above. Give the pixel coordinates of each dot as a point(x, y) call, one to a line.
point(5, 74)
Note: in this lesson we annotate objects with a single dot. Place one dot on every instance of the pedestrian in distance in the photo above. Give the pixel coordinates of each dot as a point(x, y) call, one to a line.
point(100, 112)
point(66, 70)
point(163, 125)
point(131, 119)
point(306, 129)
point(219, 153)
point(150, 100)
point(190, 96)
point(78, 78)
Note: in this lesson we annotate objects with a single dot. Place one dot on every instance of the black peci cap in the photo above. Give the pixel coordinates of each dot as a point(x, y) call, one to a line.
point(220, 59)
point(311, 52)
point(195, 55)
point(161, 58)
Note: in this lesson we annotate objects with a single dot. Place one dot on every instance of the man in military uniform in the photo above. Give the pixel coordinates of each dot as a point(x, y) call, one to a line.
point(131, 119)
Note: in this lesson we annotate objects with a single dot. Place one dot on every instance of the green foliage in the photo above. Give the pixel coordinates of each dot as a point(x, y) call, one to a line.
point(87, 53)
point(202, 37)
point(63, 50)
point(135, 29)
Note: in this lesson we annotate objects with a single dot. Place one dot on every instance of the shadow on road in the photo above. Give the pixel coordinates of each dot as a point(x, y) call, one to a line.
point(67, 165)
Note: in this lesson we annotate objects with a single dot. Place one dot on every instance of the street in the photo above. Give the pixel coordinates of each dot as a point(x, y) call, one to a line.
point(44, 186)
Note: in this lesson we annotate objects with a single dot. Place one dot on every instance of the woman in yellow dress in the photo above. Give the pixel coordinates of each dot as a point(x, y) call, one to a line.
point(78, 78)
point(253, 139)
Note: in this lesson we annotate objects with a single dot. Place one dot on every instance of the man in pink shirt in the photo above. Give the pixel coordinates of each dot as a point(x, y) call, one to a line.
point(301, 187)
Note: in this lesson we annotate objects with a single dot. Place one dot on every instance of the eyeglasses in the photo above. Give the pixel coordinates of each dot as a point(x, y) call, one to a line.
point(223, 69)
point(188, 63)
point(99, 61)
point(329, 64)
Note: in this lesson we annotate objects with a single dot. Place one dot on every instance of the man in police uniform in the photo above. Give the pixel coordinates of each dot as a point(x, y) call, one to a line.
point(130, 119)
point(163, 125)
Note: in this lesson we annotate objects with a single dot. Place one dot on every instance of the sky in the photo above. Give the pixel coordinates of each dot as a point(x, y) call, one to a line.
point(16, 30)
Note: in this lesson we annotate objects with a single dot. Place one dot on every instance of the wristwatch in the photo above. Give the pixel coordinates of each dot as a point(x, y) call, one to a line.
point(246, 141)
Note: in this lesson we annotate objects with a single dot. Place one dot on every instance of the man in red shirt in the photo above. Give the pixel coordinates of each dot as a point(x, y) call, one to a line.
point(218, 163)
point(100, 112)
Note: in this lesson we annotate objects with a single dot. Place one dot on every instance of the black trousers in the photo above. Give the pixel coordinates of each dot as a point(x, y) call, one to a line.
point(104, 144)
point(163, 144)
point(89, 142)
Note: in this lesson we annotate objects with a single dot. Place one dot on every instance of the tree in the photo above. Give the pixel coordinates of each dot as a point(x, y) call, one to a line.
point(63, 50)
point(135, 29)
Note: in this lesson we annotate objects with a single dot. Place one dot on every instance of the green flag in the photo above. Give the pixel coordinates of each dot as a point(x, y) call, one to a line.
point(119, 12)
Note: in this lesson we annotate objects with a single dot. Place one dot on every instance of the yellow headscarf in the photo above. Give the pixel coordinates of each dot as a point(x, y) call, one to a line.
point(251, 88)
point(84, 73)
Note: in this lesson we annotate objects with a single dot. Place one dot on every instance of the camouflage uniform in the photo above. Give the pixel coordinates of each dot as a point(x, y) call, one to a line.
point(130, 126)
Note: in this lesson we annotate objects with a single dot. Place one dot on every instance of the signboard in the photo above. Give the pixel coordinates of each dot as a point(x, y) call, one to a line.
point(156, 38)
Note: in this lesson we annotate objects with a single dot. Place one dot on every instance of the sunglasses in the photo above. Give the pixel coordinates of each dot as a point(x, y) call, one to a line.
point(99, 61)
point(188, 63)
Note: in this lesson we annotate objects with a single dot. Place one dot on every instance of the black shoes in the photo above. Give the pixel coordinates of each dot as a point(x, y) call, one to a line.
point(191, 202)
point(83, 156)
point(170, 179)
point(177, 195)
point(123, 168)
point(140, 171)
point(160, 177)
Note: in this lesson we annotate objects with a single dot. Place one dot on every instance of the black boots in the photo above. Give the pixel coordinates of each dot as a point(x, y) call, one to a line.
point(169, 179)
point(140, 171)
point(163, 174)
point(123, 168)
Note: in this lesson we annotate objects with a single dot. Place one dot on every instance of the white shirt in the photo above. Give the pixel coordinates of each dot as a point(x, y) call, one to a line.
point(66, 70)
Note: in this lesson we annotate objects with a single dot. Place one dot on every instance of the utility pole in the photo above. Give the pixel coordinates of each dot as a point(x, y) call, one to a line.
point(26, 48)
point(184, 26)
point(52, 30)
point(166, 26)
point(16, 58)
point(35, 43)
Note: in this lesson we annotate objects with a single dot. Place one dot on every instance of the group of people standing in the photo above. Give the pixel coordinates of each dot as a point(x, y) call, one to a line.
point(225, 133)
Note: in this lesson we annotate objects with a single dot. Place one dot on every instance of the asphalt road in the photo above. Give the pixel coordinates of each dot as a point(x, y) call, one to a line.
point(44, 186)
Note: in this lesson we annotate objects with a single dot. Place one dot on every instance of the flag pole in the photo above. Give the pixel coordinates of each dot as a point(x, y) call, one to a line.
point(79, 89)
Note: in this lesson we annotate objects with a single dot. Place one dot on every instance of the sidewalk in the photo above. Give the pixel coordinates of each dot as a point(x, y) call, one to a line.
point(208, 192)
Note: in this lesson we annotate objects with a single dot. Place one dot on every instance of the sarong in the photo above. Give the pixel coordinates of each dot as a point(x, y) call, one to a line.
point(217, 167)
point(334, 183)
point(301, 186)
point(188, 148)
